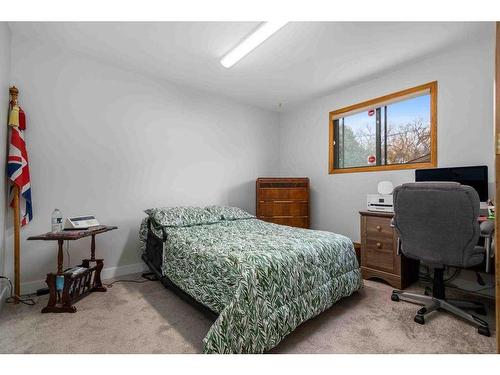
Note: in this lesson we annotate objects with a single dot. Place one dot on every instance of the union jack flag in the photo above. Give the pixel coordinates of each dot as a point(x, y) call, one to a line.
point(17, 163)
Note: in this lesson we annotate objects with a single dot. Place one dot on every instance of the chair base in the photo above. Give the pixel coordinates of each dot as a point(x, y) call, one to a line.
point(452, 306)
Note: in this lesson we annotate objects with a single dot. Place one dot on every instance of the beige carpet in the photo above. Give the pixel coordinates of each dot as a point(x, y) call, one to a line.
point(147, 318)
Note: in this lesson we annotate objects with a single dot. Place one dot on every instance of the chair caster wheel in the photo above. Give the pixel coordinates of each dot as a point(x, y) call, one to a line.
point(485, 331)
point(421, 312)
point(419, 319)
point(480, 311)
point(395, 297)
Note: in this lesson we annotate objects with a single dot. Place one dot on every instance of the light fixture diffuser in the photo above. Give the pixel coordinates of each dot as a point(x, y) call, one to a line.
point(252, 41)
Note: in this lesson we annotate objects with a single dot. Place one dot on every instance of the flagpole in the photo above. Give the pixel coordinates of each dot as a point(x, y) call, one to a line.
point(17, 244)
point(14, 92)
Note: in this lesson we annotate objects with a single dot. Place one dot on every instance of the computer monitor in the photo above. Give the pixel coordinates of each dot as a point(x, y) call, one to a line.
point(476, 177)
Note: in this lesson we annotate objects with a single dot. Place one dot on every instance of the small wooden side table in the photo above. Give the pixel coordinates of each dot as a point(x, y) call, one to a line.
point(77, 286)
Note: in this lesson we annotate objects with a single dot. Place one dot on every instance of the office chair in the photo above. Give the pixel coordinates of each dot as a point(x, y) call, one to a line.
point(437, 224)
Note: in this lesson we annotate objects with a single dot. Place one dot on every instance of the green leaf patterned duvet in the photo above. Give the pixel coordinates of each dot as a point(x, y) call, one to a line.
point(263, 279)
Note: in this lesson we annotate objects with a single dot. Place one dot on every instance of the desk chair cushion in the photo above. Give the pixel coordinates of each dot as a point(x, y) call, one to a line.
point(437, 223)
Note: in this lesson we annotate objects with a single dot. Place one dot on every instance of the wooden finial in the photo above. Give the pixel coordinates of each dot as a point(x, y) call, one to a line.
point(14, 92)
point(13, 107)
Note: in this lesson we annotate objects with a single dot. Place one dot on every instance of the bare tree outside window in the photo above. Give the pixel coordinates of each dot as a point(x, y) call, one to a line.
point(409, 143)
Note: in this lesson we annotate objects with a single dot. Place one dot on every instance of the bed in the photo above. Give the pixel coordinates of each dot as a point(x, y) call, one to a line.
point(259, 280)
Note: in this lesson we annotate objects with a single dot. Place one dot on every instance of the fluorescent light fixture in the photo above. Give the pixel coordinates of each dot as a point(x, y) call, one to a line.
point(252, 41)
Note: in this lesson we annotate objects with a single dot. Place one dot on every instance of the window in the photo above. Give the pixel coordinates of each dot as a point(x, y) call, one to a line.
point(396, 131)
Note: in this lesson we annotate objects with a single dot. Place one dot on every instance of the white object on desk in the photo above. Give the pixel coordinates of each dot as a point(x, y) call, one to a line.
point(382, 201)
point(385, 187)
point(379, 202)
point(81, 222)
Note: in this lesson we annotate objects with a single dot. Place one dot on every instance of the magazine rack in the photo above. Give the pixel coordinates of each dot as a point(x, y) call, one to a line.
point(78, 285)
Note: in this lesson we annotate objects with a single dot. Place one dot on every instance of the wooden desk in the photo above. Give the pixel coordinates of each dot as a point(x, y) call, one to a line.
point(75, 286)
point(379, 257)
point(378, 251)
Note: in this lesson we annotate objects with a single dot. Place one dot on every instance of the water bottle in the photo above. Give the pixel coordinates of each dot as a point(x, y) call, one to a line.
point(57, 221)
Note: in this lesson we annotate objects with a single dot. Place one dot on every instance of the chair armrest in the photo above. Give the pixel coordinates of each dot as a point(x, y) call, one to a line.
point(398, 247)
point(487, 228)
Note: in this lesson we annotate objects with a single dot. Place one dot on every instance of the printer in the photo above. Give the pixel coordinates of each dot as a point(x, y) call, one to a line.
point(381, 202)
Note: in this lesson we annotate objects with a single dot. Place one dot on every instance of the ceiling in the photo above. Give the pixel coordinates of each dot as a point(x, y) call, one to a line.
point(301, 61)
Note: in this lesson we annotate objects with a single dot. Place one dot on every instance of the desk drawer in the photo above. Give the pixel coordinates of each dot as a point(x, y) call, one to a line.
point(379, 255)
point(379, 228)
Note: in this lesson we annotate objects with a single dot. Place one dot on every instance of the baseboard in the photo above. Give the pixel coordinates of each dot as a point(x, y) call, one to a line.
point(113, 272)
point(107, 273)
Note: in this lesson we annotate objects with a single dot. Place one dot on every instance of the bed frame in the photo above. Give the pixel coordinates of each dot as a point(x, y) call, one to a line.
point(153, 259)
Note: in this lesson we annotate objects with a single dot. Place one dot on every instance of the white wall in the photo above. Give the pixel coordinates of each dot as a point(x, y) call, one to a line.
point(112, 143)
point(465, 129)
point(5, 38)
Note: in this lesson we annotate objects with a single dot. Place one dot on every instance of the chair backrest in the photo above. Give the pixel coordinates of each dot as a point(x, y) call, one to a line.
point(437, 222)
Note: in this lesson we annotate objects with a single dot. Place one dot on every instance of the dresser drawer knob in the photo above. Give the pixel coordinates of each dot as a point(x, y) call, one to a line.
point(379, 228)
point(379, 245)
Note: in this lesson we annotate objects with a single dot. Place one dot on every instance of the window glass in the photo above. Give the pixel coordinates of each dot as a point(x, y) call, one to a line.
point(357, 139)
point(409, 131)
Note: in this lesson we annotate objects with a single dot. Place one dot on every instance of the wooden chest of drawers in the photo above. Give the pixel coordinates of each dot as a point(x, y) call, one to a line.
point(283, 201)
point(379, 257)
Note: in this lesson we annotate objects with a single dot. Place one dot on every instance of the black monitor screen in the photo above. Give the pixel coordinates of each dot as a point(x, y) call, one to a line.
point(477, 177)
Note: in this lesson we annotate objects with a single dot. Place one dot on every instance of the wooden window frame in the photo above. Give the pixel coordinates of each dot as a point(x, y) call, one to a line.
point(431, 87)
